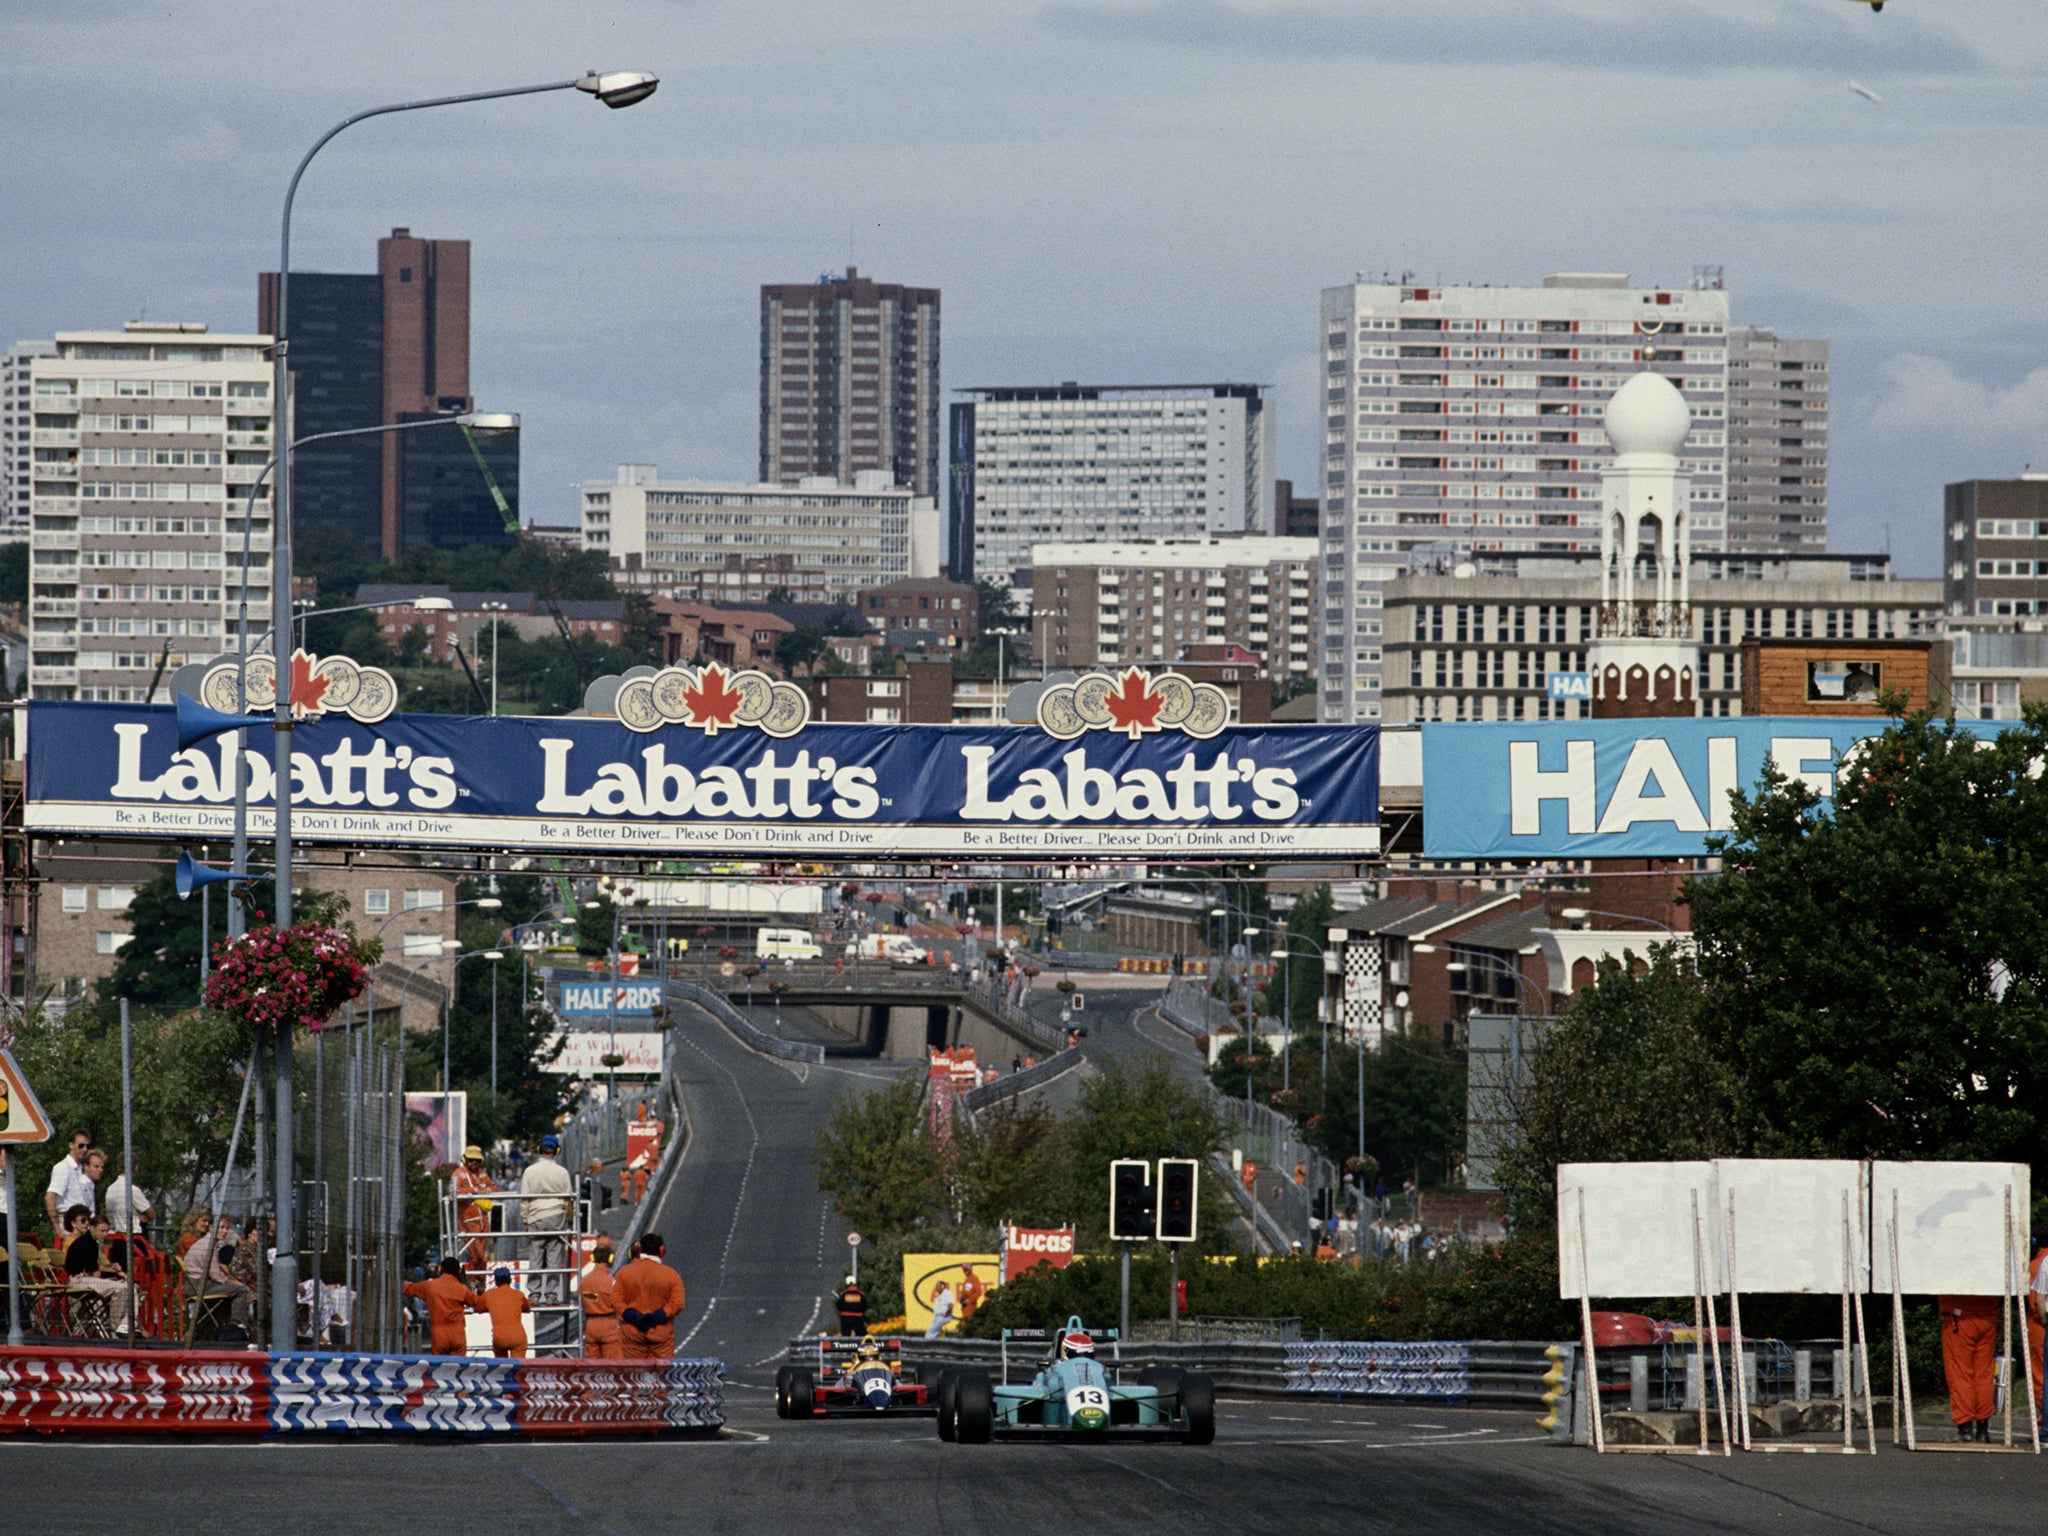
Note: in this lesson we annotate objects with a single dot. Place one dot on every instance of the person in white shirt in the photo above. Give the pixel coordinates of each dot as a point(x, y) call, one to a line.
point(545, 1210)
point(942, 1310)
point(117, 1202)
point(69, 1186)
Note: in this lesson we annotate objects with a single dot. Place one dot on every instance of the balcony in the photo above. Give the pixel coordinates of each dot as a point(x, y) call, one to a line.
point(54, 437)
point(248, 439)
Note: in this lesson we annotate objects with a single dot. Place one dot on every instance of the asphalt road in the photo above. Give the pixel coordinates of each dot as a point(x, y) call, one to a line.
point(1275, 1467)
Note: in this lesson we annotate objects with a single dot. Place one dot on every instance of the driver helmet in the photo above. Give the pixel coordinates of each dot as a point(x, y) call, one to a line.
point(867, 1349)
point(1076, 1345)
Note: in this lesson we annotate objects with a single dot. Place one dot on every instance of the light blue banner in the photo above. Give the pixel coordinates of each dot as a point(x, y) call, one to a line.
point(1591, 789)
point(581, 999)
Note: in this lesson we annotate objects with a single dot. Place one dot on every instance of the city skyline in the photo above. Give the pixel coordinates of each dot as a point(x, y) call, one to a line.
point(1102, 191)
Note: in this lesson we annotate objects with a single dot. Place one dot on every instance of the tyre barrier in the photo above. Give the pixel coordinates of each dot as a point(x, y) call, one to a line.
point(224, 1393)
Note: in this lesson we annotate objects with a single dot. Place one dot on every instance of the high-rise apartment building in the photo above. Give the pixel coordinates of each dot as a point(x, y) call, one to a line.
point(1467, 420)
point(1777, 442)
point(1111, 605)
point(370, 349)
point(17, 438)
point(147, 440)
point(1127, 463)
point(850, 381)
point(663, 535)
point(1995, 562)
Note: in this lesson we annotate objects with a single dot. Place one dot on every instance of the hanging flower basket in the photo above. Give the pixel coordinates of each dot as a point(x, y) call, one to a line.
point(295, 976)
point(611, 1059)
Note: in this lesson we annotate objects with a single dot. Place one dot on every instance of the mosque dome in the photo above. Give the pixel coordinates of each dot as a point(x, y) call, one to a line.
point(1647, 415)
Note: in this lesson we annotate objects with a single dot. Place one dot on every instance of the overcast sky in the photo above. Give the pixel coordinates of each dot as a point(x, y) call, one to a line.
point(1108, 190)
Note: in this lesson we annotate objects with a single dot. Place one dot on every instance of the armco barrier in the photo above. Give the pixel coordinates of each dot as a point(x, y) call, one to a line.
point(1014, 1083)
point(226, 1393)
point(750, 1034)
point(1452, 1370)
point(112, 1392)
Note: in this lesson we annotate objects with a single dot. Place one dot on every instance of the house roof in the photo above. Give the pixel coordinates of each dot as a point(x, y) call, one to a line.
point(1511, 931)
point(1416, 917)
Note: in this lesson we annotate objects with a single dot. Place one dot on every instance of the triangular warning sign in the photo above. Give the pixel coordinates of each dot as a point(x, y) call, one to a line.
point(21, 1118)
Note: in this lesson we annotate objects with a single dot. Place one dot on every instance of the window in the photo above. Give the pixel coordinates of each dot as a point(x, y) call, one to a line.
point(419, 944)
point(74, 898)
point(111, 943)
point(423, 901)
point(115, 898)
point(376, 903)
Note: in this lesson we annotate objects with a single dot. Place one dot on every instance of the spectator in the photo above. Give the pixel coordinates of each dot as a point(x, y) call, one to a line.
point(127, 1207)
point(198, 1222)
point(207, 1279)
point(600, 1308)
point(92, 1264)
point(942, 1310)
point(508, 1307)
point(547, 1189)
point(650, 1296)
point(69, 1185)
point(447, 1298)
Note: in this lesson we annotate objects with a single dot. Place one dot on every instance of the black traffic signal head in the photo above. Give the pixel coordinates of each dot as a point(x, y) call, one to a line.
point(1130, 1200)
point(1177, 1186)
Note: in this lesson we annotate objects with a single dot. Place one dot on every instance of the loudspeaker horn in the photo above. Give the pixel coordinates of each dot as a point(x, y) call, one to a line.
point(192, 874)
point(196, 722)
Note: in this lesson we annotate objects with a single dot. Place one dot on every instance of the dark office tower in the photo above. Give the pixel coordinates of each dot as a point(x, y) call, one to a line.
point(376, 349)
point(850, 381)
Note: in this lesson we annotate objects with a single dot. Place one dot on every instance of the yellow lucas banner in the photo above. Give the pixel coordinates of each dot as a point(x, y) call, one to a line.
point(951, 1285)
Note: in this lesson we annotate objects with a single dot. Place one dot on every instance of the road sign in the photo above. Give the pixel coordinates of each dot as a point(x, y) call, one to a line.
point(853, 1239)
point(21, 1118)
point(727, 969)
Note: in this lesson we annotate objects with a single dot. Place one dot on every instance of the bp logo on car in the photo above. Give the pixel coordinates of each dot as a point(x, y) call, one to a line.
point(1087, 1407)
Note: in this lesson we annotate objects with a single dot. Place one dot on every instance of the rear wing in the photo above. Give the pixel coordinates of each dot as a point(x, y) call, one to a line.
point(1035, 1345)
point(836, 1352)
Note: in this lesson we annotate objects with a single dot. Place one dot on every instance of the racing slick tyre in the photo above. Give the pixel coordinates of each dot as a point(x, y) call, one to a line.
point(928, 1376)
point(802, 1398)
point(1198, 1407)
point(782, 1391)
point(974, 1408)
point(948, 1380)
point(1164, 1379)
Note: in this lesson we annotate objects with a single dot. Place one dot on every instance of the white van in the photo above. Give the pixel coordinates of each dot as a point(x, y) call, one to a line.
point(786, 944)
point(892, 947)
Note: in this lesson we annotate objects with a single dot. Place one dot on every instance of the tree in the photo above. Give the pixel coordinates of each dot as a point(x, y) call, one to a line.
point(1148, 1111)
point(1298, 984)
point(14, 573)
point(998, 604)
point(1877, 970)
point(800, 648)
point(159, 965)
point(594, 926)
point(1009, 1164)
point(877, 1162)
point(1627, 1074)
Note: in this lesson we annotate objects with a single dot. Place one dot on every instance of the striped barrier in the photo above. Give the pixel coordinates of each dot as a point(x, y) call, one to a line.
point(1427, 1370)
point(1143, 967)
point(220, 1392)
point(108, 1391)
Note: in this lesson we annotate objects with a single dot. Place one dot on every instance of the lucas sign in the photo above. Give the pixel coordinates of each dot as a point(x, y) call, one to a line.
point(1614, 788)
point(1064, 787)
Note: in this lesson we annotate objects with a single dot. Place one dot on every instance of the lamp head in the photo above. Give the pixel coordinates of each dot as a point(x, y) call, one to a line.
point(619, 87)
point(1574, 914)
point(487, 903)
point(432, 604)
point(491, 423)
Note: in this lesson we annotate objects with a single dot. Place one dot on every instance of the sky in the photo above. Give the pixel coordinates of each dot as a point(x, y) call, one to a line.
point(1117, 191)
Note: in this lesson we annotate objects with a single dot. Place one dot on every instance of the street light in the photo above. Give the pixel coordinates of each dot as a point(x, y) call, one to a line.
point(1500, 968)
point(1580, 914)
point(1286, 953)
point(617, 88)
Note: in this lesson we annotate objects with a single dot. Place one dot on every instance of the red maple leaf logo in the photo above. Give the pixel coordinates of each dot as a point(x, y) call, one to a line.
point(1133, 706)
point(307, 688)
point(711, 701)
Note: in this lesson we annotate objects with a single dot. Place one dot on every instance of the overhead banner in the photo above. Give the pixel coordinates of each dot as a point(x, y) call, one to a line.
point(601, 999)
point(1577, 789)
point(583, 1053)
point(1136, 791)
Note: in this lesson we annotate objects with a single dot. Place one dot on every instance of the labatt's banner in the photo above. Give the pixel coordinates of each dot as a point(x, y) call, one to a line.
point(1615, 788)
point(1138, 785)
point(1027, 1247)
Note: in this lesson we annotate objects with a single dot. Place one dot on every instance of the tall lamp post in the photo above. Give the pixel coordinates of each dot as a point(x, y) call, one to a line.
point(616, 89)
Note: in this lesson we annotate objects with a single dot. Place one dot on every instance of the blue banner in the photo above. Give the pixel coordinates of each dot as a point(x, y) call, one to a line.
point(581, 999)
point(1592, 789)
point(850, 791)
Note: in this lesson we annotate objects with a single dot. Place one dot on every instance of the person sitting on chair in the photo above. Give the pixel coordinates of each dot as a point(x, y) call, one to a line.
point(90, 1266)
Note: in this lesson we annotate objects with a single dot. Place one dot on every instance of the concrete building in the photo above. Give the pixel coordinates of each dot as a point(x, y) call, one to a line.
point(1457, 419)
point(147, 439)
point(850, 382)
point(1103, 463)
point(1777, 442)
point(1987, 674)
point(384, 347)
point(737, 579)
point(1487, 647)
point(1996, 553)
point(947, 613)
point(17, 431)
point(1114, 604)
point(1294, 517)
point(859, 535)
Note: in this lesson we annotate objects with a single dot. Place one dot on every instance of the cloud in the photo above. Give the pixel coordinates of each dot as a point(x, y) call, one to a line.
point(1657, 36)
point(1925, 398)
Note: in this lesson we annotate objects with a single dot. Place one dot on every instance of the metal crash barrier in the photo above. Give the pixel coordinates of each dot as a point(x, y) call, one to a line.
point(102, 1392)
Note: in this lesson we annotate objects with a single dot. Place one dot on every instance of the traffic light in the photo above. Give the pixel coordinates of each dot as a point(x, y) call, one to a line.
point(1177, 1199)
point(1130, 1200)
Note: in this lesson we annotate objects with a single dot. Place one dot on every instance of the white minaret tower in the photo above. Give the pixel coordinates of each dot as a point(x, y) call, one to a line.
point(1644, 658)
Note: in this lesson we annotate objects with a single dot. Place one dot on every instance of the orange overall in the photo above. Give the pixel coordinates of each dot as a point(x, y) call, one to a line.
point(600, 1315)
point(648, 1285)
point(447, 1299)
point(508, 1308)
point(1969, 1336)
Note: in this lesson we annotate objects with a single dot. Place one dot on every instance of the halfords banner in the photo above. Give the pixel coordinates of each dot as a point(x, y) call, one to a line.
point(586, 999)
point(552, 785)
point(1614, 788)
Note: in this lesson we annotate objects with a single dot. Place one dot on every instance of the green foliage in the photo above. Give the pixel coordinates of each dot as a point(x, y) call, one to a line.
point(1626, 1075)
point(1878, 973)
point(877, 1163)
point(1146, 1112)
point(1009, 1164)
point(594, 925)
point(799, 649)
point(14, 573)
point(1297, 982)
point(187, 1068)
